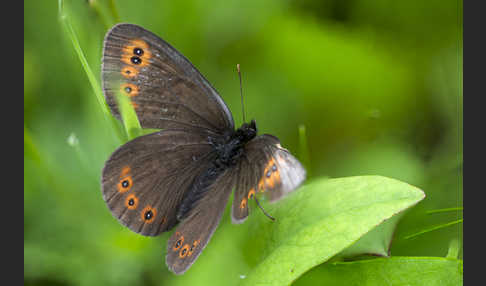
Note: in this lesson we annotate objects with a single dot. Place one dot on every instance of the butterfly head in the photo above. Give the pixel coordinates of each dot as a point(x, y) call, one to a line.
point(247, 131)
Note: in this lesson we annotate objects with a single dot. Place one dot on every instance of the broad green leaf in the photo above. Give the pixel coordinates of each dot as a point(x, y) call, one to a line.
point(396, 271)
point(312, 225)
point(324, 219)
point(375, 242)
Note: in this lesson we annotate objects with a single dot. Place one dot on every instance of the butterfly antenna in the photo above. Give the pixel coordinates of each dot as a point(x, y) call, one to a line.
point(241, 93)
point(269, 216)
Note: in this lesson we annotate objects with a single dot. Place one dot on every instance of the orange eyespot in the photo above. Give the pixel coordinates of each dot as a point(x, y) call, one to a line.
point(270, 163)
point(193, 247)
point(243, 203)
point(271, 175)
point(184, 251)
point(131, 202)
point(129, 89)
point(178, 243)
point(148, 214)
point(125, 184)
point(251, 193)
point(129, 72)
point(136, 53)
point(274, 178)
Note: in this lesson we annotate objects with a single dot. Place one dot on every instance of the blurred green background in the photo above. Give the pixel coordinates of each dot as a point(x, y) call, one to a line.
point(377, 85)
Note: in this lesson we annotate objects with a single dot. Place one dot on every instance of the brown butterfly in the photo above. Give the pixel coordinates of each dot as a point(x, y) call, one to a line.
point(182, 175)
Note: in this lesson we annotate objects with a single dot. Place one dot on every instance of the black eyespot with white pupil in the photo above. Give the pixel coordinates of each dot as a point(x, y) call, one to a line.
point(125, 184)
point(183, 251)
point(136, 60)
point(131, 202)
point(178, 243)
point(274, 168)
point(138, 51)
point(128, 89)
point(269, 173)
point(148, 215)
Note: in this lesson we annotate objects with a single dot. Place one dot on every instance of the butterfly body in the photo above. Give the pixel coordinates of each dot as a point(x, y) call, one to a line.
point(184, 174)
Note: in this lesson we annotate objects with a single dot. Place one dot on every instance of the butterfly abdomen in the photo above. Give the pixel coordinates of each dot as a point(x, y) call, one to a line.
point(228, 152)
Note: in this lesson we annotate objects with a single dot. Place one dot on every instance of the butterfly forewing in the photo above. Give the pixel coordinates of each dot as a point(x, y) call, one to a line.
point(144, 180)
point(165, 89)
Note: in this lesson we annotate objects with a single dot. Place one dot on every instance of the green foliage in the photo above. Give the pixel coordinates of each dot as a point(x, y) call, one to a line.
point(399, 271)
point(325, 218)
point(378, 87)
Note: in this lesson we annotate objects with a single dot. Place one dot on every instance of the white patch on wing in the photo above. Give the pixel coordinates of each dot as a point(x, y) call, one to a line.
point(292, 174)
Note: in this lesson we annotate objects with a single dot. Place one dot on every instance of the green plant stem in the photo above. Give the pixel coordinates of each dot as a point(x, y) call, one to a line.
point(434, 228)
point(129, 116)
point(445, 210)
point(89, 73)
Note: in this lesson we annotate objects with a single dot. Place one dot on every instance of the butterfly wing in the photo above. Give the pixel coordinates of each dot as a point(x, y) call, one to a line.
point(165, 89)
point(144, 181)
point(194, 232)
point(267, 168)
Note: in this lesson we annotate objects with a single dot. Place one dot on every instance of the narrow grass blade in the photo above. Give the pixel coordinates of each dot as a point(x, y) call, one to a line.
point(64, 19)
point(437, 227)
point(445, 210)
point(129, 116)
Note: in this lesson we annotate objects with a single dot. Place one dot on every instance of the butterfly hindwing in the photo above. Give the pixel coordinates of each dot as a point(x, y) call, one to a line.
point(194, 232)
point(269, 169)
point(165, 89)
point(245, 189)
point(144, 180)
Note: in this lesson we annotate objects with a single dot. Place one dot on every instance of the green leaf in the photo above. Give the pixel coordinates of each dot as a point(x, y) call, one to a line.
point(313, 224)
point(129, 116)
point(376, 242)
point(427, 271)
point(325, 218)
